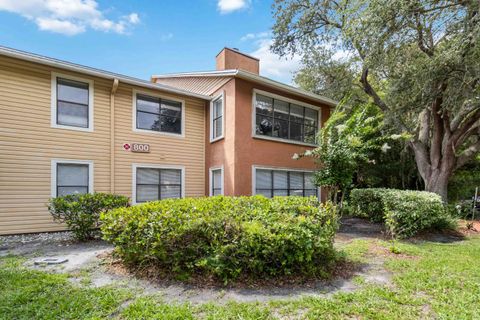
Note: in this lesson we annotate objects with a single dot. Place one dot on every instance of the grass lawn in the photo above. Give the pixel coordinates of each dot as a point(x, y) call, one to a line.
point(430, 280)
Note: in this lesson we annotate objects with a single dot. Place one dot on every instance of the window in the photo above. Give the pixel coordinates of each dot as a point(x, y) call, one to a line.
point(216, 181)
point(284, 183)
point(71, 177)
point(158, 114)
point(153, 184)
point(284, 120)
point(72, 103)
point(216, 117)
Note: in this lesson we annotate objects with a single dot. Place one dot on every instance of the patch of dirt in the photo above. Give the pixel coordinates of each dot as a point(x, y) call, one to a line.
point(355, 228)
point(469, 227)
point(375, 250)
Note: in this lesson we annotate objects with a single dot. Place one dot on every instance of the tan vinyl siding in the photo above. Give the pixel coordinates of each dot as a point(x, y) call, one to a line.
point(28, 144)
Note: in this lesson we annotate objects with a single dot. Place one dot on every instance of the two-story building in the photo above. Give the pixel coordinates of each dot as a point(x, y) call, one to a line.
point(67, 128)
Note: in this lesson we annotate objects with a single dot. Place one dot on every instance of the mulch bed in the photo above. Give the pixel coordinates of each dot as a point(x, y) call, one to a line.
point(343, 269)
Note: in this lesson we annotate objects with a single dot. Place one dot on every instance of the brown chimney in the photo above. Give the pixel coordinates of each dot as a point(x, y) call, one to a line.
point(233, 59)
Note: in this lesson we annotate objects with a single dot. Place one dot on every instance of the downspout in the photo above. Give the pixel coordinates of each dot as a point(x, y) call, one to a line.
point(112, 135)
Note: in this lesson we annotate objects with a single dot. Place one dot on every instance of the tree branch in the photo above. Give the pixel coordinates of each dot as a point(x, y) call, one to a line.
point(468, 154)
point(367, 87)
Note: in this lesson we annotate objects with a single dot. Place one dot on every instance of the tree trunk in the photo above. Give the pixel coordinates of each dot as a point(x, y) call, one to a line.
point(438, 183)
point(435, 177)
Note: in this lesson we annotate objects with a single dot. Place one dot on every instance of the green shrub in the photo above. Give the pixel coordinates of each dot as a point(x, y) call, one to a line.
point(225, 236)
point(404, 212)
point(81, 212)
point(462, 209)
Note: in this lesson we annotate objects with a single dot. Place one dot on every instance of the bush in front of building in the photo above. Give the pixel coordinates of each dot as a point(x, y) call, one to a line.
point(404, 212)
point(226, 237)
point(81, 212)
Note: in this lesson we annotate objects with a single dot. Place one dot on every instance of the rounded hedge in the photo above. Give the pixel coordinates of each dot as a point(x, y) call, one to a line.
point(226, 236)
point(405, 212)
point(81, 212)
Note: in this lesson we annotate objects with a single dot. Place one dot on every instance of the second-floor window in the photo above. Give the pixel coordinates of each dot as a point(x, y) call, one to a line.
point(216, 117)
point(281, 119)
point(157, 114)
point(72, 103)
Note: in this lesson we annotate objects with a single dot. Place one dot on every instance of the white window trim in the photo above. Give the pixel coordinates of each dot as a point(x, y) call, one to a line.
point(210, 180)
point(276, 96)
point(222, 97)
point(53, 174)
point(135, 166)
point(254, 176)
point(134, 114)
point(53, 108)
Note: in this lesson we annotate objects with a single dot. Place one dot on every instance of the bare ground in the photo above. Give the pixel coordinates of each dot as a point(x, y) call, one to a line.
point(90, 264)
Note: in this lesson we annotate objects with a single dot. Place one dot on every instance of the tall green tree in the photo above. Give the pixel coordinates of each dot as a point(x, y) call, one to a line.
point(418, 61)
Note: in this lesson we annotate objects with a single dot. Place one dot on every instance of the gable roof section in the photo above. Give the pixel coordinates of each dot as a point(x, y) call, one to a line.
point(22, 55)
point(183, 78)
point(200, 85)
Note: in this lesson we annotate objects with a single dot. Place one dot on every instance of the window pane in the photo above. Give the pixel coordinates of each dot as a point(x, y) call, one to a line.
point(280, 129)
point(170, 192)
point(296, 113)
point(217, 192)
point(72, 174)
point(311, 192)
point(296, 130)
point(148, 104)
point(311, 117)
point(263, 179)
point(217, 108)
point(63, 191)
point(297, 192)
point(296, 180)
point(72, 114)
point(281, 109)
point(264, 125)
point(217, 179)
point(309, 183)
point(171, 108)
point(171, 124)
point(72, 91)
point(280, 179)
point(310, 134)
point(148, 121)
point(171, 176)
point(264, 105)
point(217, 127)
point(148, 176)
point(266, 193)
point(147, 193)
point(280, 192)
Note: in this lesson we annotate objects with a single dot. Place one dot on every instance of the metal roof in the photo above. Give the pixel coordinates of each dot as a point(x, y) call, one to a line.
point(18, 54)
point(248, 76)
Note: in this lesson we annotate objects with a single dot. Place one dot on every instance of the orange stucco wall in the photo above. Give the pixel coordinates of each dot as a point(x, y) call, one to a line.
point(222, 152)
point(239, 151)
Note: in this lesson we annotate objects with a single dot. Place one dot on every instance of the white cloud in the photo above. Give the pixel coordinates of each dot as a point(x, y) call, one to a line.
point(69, 17)
point(166, 37)
point(227, 6)
point(252, 36)
point(272, 65)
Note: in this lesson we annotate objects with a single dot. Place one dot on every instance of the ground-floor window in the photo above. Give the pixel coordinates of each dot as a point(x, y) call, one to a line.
point(216, 181)
point(155, 183)
point(276, 182)
point(71, 177)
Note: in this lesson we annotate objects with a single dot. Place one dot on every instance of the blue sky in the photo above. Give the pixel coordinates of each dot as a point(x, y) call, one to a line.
point(143, 37)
